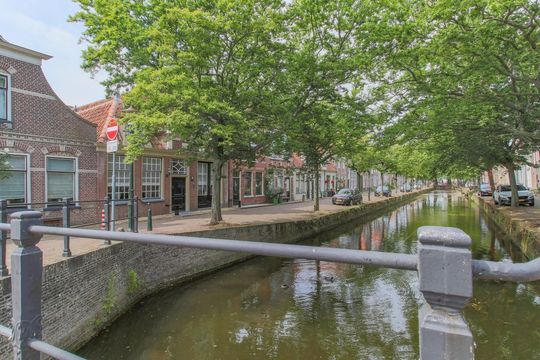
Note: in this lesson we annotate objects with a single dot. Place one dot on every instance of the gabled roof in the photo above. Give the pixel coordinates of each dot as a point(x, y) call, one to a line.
point(100, 112)
point(7, 48)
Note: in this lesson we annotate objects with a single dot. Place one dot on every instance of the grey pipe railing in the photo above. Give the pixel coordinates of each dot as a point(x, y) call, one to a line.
point(444, 264)
point(357, 257)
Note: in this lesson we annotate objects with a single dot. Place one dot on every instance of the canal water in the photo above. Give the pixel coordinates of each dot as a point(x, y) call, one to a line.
point(270, 308)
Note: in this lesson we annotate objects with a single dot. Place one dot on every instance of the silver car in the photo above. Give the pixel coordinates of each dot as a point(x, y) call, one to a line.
point(503, 195)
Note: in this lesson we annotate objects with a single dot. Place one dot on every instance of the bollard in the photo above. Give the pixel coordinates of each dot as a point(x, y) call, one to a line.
point(130, 211)
point(149, 222)
point(3, 239)
point(445, 277)
point(107, 208)
point(26, 268)
point(136, 214)
point(66, 222)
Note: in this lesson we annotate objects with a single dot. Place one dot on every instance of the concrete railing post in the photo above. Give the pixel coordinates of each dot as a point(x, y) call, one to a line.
point(445, 274)
point(26, 269)
point(3, 239)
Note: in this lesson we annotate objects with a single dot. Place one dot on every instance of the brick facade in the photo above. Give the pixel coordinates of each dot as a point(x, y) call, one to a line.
point(100, 113)
point(41, 126)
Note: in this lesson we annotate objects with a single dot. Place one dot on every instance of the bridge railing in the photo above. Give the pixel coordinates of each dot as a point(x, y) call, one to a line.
point(444, 264)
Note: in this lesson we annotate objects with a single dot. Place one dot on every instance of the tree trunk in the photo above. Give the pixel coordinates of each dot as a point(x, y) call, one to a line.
point(360, 181)
point(317, 180)
point(382, 180)
point(491, 180)
point(369, 187)
point(217, 166)
point(513, 185)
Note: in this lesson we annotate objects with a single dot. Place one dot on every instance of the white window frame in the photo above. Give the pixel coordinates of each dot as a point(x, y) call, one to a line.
point(250, 184)
point(27, 177)
point(203, 177)
point(160, 197)
point(8, 97)
point(255, 183)
point(75, 177)
point(109, 194)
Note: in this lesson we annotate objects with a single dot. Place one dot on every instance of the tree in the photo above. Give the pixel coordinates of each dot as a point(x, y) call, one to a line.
point(471, 58)
point(202, 72)
point(4, 165)
point(323, 115)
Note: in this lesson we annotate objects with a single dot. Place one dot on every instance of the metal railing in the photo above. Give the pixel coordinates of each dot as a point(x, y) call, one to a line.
point(444, 264)
point(66, 207)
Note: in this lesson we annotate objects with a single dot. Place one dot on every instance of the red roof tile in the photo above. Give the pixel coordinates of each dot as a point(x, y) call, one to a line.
point(100, 112)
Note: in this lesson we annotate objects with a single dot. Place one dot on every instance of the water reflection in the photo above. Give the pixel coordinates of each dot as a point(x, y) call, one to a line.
point(304, 309)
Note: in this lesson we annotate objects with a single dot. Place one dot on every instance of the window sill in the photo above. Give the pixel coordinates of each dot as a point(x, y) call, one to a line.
point(119, 202)
point(248, 196)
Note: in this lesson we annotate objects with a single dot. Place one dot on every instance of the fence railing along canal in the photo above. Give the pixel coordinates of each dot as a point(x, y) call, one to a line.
point(444, 264)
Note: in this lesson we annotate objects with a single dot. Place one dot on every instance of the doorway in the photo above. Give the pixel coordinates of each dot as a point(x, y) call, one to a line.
point(236, 187)
point(178, 193)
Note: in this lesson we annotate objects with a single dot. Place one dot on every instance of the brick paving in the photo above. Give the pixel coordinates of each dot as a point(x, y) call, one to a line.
point(52, 246)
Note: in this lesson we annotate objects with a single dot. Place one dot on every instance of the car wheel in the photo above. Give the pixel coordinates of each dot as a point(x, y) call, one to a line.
point(531, 203)
point(495, 201)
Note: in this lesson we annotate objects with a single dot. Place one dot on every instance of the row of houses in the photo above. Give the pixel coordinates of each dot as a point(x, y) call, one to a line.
point(55, 152)
point(527, 175)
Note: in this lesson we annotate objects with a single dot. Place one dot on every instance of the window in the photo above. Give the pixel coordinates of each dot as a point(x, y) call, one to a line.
point(258, 183)
point(279, 184)
point(4, 98)
point(13, 181)
point(60, 179)
point(122, 174)
point(151, 178)
point(202, 178)
point(178, 167)
point(248, 182)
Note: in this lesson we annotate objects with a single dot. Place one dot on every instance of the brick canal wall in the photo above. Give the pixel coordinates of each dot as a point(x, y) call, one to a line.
point(82, 294)
point(524, 234)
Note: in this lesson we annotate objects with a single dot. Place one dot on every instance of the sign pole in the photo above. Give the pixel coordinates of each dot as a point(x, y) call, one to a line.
point(112, 146)
point(113, 192)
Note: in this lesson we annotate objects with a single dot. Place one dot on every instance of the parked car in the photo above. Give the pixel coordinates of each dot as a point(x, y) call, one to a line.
point(347, 197)
point(485, 190)
point(503, 195)
point(383, 191)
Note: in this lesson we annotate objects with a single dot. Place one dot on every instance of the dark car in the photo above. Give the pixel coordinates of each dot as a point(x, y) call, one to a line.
point(347, 197)
point(383, 191)
point(485, 190)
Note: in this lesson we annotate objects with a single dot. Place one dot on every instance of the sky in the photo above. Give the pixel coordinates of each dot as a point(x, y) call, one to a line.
point(42, 25)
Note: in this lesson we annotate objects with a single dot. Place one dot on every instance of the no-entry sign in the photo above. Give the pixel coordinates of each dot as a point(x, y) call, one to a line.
point(112, 129)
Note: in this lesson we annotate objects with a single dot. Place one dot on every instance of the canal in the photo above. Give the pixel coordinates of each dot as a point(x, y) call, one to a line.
point(269, 308)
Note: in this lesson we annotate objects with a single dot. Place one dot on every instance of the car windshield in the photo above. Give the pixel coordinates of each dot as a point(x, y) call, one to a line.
point(508, 188)
point(344, 192)
point(485, 186)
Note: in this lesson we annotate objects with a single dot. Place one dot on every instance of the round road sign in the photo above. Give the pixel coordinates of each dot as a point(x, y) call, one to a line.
point(112, 129)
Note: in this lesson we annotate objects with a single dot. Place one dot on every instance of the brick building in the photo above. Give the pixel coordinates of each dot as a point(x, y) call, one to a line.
point(52, 152)
point(162, 178)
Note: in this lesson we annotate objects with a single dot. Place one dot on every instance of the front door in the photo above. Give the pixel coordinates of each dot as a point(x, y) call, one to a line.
point(236, 187)
point(178, 193)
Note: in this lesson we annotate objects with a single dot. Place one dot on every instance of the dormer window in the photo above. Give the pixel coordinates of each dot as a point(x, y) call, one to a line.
point(4, 99)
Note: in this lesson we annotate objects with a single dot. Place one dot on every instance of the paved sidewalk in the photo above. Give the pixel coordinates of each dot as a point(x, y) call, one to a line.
point(52, 246)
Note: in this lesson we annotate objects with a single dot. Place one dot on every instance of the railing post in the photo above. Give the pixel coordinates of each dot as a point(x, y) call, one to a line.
point(26, 268)
point(136, 214)
point(3, 239)
point(130, 211)
point(66, 222)
point(107, 208)
point(149, 225)
point(445, 276)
